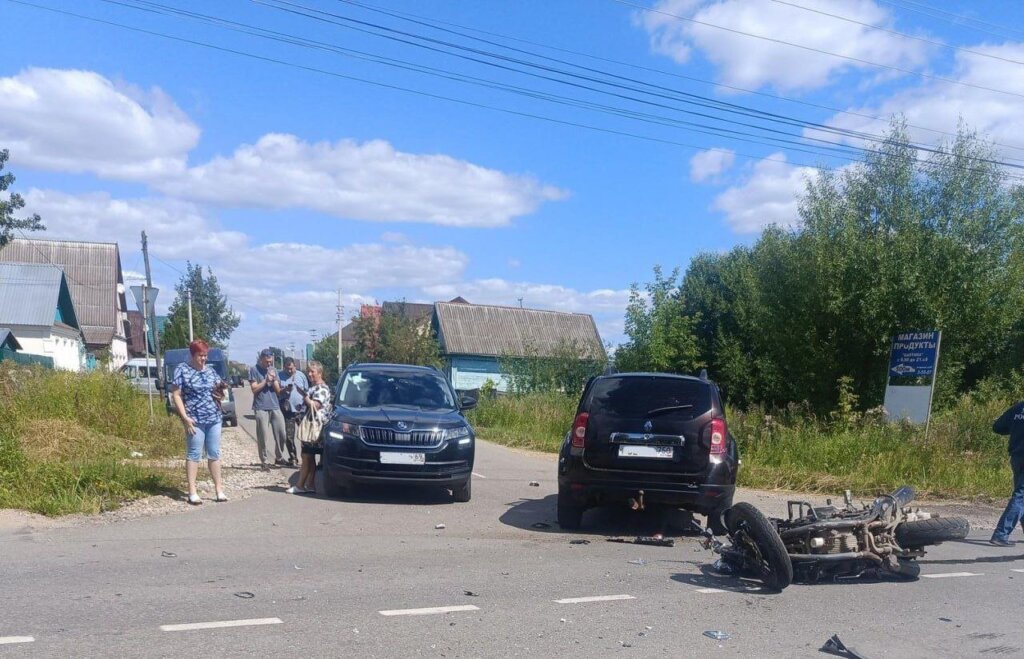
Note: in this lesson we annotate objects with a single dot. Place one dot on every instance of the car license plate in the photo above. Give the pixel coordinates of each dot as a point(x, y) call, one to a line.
point(634, 451)
point(403, 458)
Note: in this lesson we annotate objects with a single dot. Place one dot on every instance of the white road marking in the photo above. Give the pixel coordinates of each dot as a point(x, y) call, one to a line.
point(598, 598)
point(479, 475)
point(219, 624)
point(944, 575)
point(16, 639)
point(429, 611)
point(711, 590)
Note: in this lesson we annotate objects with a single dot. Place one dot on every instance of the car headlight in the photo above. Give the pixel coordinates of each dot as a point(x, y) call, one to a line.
point(342, 431)
point(460, 434)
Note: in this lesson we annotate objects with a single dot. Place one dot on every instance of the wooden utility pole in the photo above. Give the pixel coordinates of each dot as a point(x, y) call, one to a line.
point(156, 336)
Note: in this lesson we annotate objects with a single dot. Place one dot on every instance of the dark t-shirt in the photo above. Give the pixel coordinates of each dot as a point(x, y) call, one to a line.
point(266, 398)
point(1012, 423)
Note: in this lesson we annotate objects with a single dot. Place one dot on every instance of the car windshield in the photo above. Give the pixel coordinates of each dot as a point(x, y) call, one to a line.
point(645, 396)
point(373, 388)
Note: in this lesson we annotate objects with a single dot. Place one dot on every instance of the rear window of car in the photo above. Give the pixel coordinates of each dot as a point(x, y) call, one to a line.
point(638, 396)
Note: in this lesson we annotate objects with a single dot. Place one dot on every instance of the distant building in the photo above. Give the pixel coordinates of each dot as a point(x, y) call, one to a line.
point(474, 337)
point(36, 307)
point(93, 275)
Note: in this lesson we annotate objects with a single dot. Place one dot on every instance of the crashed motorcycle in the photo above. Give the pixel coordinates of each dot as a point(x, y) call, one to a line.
point(830, 543)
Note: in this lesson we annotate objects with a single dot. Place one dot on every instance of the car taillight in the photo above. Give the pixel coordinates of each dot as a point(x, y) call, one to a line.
point(718, 437)
point(579, 429)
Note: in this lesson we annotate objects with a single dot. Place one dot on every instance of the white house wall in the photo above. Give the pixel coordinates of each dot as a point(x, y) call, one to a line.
point(66, 350)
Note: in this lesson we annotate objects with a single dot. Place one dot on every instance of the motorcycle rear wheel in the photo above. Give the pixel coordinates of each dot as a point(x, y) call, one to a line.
point(774, 568)
point(923, 532)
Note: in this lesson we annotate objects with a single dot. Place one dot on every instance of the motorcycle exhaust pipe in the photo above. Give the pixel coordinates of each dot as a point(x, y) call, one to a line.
point(834, 558)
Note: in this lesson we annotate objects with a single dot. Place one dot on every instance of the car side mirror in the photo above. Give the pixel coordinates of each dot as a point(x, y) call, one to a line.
point(466, 402)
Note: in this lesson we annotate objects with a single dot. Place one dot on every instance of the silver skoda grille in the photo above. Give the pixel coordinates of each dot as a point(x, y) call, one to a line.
point(390, 437)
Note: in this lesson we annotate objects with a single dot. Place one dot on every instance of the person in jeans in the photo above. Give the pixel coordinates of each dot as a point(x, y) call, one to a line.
point(266, 386)
point(196, 392)
point(294, 386)
point(1012, 423)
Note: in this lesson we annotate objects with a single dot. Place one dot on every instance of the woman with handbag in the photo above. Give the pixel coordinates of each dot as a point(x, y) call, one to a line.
point(318, 410)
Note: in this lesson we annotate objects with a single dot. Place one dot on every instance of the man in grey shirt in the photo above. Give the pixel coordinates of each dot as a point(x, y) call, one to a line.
point(294, 385)
point(266, 387)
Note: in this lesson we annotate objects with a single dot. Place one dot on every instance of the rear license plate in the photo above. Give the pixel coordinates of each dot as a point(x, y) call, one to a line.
point(634, 451)
point(403, 458)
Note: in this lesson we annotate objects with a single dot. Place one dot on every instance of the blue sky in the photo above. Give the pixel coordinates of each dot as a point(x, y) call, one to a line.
point(291, 183)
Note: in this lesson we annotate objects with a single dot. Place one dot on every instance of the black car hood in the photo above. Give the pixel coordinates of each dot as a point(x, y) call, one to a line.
point(387, 416)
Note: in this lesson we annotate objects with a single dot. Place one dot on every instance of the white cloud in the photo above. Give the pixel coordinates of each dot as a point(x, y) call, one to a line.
point(745, 61)
point(710, 164)
point(363, 181)
point(768, 195)
point(79, 121)
point(538, 296)
point(940, 105)
point(176, 230)
point(394, 237)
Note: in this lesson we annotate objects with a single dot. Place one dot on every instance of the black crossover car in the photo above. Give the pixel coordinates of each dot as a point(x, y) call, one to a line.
point(651, 438)
point(398, 424)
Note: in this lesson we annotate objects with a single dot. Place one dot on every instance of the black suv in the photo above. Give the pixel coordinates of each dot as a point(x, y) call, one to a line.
point(394, 423)
point(653, 438)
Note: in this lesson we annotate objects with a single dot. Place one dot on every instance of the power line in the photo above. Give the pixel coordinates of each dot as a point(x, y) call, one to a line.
point(437, 23)
point(897, 33)
point(403, 89)
point(832, 148)
point(818, 50)
point(951, 17)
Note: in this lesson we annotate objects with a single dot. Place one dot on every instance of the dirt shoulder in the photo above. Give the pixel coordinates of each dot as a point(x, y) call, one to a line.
point(239, 469)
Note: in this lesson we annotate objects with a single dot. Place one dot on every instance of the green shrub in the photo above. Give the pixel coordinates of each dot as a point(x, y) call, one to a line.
point(66, 441)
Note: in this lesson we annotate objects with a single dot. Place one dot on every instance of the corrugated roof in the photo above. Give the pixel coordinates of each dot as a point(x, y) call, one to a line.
point(7, 338)
point(93, 272)
point(475, 329)
point(29, 294)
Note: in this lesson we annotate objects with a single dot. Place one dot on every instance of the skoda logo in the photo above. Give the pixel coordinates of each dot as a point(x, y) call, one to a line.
point(648, 426)
point(402, 425)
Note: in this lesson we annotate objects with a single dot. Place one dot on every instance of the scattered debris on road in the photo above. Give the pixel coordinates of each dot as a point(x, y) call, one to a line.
point(246, 595)
point(168, 554)
point(836, 647)
point(579, 542)
point(470, 593)
point(718, 635)
point(638, 561)
point(534, 484)
point(439, 526)
point(646, 540)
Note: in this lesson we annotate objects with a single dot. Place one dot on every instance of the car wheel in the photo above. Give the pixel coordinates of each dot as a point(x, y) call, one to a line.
point(464, 492)
point(333, 488)
point(570, 513)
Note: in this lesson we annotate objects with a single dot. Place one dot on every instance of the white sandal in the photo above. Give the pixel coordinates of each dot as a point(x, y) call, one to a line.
point(194, 500)
point(221, 497)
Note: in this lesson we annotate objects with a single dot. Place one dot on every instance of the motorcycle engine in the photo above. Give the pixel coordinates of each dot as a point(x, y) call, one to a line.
point(834, 543)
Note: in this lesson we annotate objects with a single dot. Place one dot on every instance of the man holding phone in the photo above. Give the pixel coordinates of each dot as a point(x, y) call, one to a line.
point(294, 386)
point(266, 386)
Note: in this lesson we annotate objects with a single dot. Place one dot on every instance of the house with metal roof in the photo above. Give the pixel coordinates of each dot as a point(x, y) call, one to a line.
point(94, 277)
point(36, 307)
point(474, 337)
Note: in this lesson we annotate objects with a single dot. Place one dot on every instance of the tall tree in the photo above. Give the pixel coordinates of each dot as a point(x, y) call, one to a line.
point(207, 299)
point(175, 332)
point(396, 338)
point(660, 335)
point(8, 223)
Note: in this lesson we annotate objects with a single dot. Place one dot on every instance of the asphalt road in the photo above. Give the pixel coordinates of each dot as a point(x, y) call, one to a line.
point(337, 578)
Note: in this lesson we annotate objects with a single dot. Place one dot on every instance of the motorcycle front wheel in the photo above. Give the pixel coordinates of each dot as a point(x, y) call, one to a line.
point(924, 532)
point(768, 554)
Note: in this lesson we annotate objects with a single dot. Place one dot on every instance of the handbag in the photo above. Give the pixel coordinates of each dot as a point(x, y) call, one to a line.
point(308, 430)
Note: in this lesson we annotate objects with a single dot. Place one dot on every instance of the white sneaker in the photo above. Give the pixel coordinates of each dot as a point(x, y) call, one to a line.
point(194, 499)
point(294, 490)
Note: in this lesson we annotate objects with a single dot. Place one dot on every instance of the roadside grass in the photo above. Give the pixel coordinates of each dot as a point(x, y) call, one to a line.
point(66, 441)
point(791, 449)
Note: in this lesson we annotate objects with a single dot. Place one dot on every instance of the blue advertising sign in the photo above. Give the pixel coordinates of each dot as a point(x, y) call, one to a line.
point(914, 354)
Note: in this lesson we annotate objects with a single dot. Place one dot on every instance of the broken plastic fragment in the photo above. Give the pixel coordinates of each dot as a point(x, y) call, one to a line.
point(168, 554)
point(439, 526)
point(534, 484)
point(579, 542)
point(246, 595)
point(724, 568)
point(638, 561)
point(718, 635)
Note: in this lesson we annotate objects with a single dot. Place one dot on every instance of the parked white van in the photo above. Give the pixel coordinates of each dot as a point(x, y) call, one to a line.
point(142, 373)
